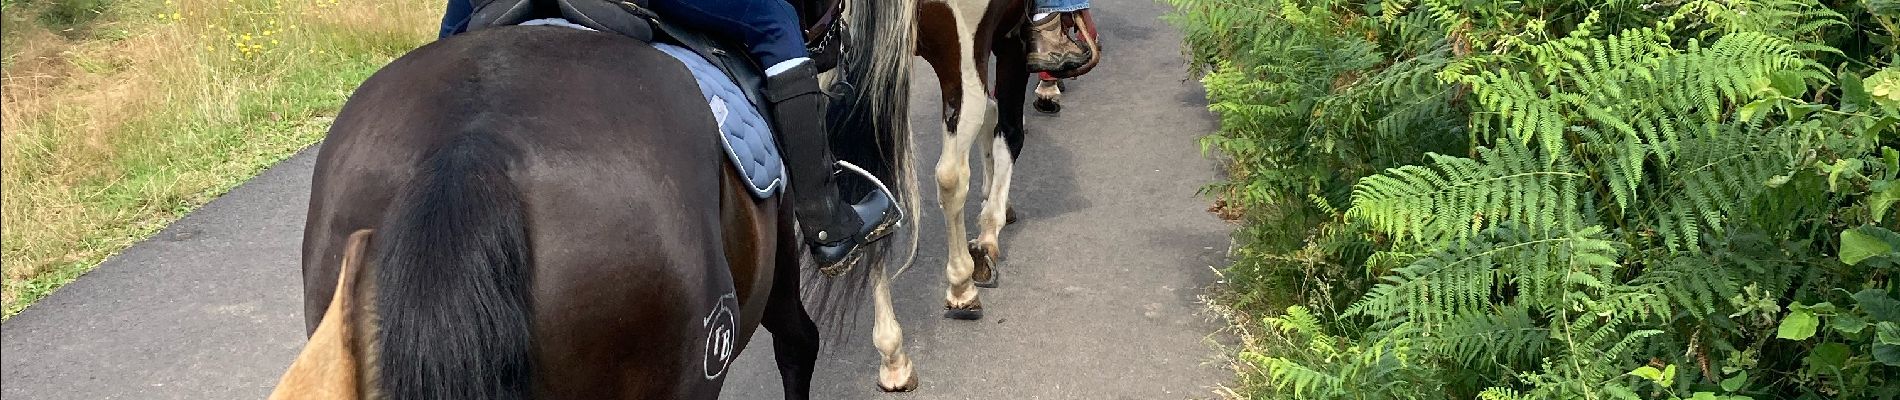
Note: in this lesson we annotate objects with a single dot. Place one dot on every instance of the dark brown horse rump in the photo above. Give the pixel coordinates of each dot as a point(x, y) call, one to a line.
point(553, 217)
point(540, 233)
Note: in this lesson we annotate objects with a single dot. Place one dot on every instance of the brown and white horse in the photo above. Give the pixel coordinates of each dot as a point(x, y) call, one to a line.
point(958, 38)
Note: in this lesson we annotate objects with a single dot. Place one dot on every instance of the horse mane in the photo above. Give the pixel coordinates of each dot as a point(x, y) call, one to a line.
point(873, 107)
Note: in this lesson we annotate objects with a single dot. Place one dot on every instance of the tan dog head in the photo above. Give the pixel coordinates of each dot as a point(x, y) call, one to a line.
point(330, 367)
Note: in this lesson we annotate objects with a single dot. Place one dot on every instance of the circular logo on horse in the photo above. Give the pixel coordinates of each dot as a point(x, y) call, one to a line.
point(721, 330)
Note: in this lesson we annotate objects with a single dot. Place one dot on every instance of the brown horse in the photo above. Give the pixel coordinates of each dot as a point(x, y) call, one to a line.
point(543, 212)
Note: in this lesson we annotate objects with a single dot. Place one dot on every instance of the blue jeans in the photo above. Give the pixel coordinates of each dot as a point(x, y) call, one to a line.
point(1043, 6)
point(768, 28)
point(455, 19)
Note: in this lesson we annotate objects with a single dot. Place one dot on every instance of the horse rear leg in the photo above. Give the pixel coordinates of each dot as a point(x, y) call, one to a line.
point(896, 374)
point(1012, 70)
point(794, 336)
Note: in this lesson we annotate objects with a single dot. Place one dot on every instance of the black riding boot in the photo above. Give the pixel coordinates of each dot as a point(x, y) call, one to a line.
point(836, 230)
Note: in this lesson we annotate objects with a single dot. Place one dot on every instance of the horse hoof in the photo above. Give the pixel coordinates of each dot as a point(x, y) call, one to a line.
point(1049, 96)
point(909, 385)
point(971, 312)
point(985, 275)
point(1047, 106)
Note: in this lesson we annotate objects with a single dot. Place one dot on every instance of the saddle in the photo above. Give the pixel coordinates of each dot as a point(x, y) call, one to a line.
point(633, 19)
point(733, 83)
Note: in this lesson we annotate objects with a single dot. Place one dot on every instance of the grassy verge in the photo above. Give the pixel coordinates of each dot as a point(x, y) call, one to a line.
point(121, 116)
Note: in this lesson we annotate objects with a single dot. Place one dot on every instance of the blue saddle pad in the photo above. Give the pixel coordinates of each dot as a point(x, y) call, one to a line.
point(743, 130)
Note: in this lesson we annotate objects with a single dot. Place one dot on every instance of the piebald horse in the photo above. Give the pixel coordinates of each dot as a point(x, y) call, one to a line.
point(543, 212)
point(958, 38)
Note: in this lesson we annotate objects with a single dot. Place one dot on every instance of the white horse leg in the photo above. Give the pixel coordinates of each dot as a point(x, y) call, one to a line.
point(975, 119)
point(994, 216)
point(953, 185)
point(896, 374)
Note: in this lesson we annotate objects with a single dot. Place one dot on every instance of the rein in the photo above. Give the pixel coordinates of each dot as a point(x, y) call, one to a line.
point(822, 37)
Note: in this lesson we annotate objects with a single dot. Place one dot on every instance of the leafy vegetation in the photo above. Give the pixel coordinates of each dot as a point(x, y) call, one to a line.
point(1567, 199)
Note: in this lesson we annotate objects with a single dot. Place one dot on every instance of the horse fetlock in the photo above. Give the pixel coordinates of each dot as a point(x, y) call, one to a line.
point(1049, 90)
point(987, 256)
point(986, 244)
point(961, 295)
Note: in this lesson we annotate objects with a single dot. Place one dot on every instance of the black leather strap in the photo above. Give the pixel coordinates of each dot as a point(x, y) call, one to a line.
point(625, 17)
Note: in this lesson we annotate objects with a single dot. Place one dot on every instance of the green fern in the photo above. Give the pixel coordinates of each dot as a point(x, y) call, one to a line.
point(1512, 335)
point(1462, 277)
point(1375, 370)
point(1533, 198)
point(1714, 181)
point(1461, 197)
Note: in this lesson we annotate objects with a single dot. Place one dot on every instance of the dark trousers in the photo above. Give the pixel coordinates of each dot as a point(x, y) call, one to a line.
point(768, 28)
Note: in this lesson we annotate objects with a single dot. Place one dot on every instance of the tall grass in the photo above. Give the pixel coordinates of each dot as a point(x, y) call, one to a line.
point(116, 124)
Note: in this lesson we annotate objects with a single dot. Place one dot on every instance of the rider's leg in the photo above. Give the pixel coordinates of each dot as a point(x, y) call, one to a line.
point(1050, 48)
point(455, 19)
point(770, 30)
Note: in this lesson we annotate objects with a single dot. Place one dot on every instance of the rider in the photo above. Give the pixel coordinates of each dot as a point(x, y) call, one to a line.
point(835, 229)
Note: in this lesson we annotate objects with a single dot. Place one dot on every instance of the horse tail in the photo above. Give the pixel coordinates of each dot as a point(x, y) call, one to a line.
point(871, 125)
point(452, 310)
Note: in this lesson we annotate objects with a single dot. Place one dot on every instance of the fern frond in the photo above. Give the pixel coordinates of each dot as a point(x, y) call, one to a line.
point(1508, 336)
point(1716, 179)
point(1501, 393)
point(1462, 277)
point(1463, 196)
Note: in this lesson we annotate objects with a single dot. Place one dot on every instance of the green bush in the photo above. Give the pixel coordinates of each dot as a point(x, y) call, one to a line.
point(1560, 198)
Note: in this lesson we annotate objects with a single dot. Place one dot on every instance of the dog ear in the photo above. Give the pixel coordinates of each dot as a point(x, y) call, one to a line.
point(328, 367)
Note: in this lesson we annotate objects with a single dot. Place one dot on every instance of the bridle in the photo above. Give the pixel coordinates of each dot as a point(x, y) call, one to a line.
point(826, 34)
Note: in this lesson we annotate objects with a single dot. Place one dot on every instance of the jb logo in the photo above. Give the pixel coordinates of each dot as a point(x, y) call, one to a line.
point(721, 330)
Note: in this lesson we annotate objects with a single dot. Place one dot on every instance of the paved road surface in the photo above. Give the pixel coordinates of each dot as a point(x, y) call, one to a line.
point(1099, 301)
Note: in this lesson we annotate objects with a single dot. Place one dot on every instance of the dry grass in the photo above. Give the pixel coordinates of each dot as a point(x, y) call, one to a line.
point(115, 129)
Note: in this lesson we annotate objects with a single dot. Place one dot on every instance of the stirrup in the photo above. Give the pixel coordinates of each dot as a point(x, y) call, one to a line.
point(887, 224)
point(896, 221)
